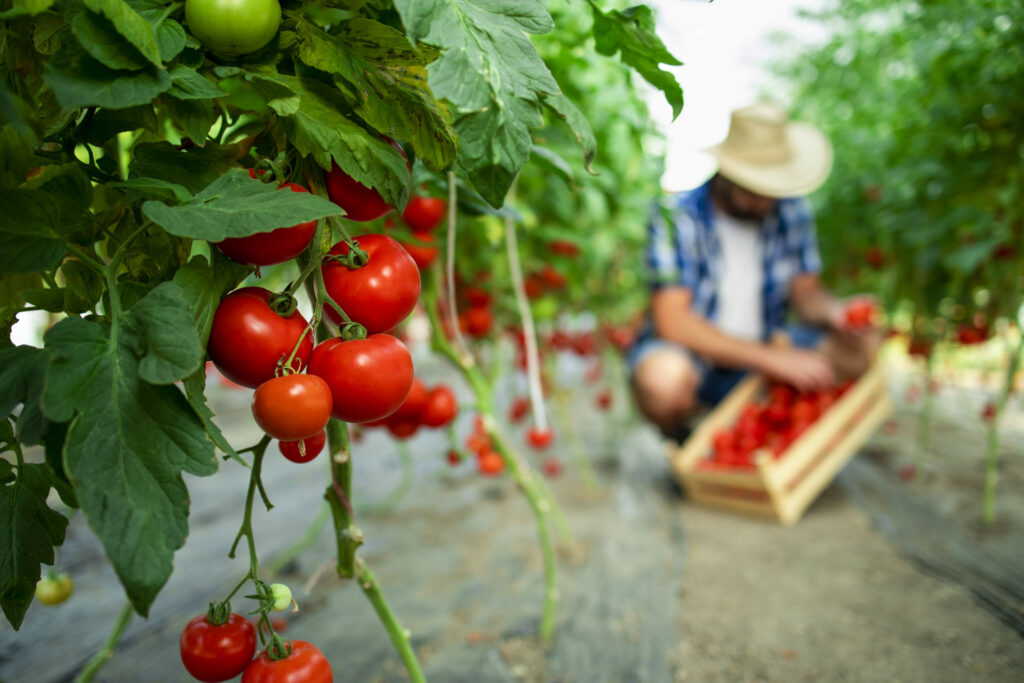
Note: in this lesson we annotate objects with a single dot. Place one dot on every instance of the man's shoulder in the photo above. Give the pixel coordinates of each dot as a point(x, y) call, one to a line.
point(690, 202)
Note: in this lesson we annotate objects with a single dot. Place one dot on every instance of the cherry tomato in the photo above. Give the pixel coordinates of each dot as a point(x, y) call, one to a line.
point(875, 258)
point(781, 394)
point(490, 464)
point(479, 321)
point(234, 27)
point(478, 444)
point(380, 294)
point(402, 429)
point(292, 407)
point(453, 457)
point(534, 287)
point(423, 250)
point(54, 589)
point(423, 214)
point(268, 248)
point(518, 410)
point(479, 298)
point(248, 339)
point(282, 595)
point(552, 467)
point(988, 413)
point(859, 314)
point(539, 439)
point(552, 278)
point(369, 378)
point(305, 664)
point(439, 408)
point(413, 404)
point(564, 248)
point(805, 410)
point(361, 203)
point(724, 441)
point(312, 446)
point(217, 652)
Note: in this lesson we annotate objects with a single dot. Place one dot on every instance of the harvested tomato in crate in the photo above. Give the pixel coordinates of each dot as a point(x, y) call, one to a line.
point(766, 449)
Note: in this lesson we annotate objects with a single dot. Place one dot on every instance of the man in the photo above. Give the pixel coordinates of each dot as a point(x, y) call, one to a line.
point(729, 262)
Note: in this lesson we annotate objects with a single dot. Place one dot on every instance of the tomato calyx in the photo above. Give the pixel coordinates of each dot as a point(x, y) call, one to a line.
point(282, 303)
point(352, 331)
point(353, 259)
point(218, 613)
point(278, 648)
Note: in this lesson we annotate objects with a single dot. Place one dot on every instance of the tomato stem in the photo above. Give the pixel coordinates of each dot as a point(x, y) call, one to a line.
point(988, 505)
point(399, 636)
point(453, 315)
point(246, 529)
point(100, 658)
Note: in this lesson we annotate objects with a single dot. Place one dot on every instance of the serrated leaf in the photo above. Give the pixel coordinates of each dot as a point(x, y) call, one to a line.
point(631, 33)
point(192, 168)
point(553, 161)
point(85, 286)
point(204, 284)
point(191, 85)
point(171, 39)
point(130, 25)
point(236, 205)
point(102, 42)
point(195, 388)
point(385, 80)
point(28, 239)
point(579, 125)
point(29, 530)
point(22, 373)
point(45, 33)
point(163, 323)
point(193, 117)
point(154, 187)
point(493, 148)
point(126, 449)
point(78, 80)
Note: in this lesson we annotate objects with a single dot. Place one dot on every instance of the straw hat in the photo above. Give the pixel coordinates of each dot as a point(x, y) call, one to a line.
point(767, 153)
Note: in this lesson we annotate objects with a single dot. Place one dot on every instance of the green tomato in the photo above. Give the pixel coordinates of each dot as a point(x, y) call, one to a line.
point(54, 589)
point(282, 596)
point(233, 27)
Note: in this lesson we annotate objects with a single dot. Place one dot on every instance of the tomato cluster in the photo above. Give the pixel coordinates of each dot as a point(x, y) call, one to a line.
point(435, 407)
point(547, 279)
point(771, 425)
point(488, 462)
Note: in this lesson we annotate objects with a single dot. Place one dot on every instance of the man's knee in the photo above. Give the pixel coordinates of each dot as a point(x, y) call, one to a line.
point(665, 382)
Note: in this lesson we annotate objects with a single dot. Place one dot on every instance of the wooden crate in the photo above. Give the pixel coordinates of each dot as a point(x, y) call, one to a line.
point(782, 488)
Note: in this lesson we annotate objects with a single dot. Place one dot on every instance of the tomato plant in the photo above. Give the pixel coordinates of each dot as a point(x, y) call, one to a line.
point(293, 407)
point(213, 652)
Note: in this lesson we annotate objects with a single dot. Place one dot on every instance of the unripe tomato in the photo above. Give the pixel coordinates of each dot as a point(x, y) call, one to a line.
point(54, 589)
point(234, 27)
point(292, 407)
point(369, 378)
point(312, 446)
point(440, 407)
point(422, 214)
point(269, 248)
point(539, 439)
point(248, 339)
point(282, 596)
point(305, 664)
point(380, 294)
point(213, 653)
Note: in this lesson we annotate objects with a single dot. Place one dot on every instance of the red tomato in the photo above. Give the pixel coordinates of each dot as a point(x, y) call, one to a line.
point(401, 428)
point(604, 400)
point(490, 464)
point(920, 346)
point(292, 407)
point(423, 251)
point(217, 653)
point(777, 413)
point(478, 298)
point(268, 248)
point(423, 214)
point(584, 344)
point(875, 258)
point(988, 413)
point(534, 287)
point(479, 321)
point(564, 248)
point(552, 278)
point(453, 457)
point(859, 314)
point(248, 339)
point(552, 467)
point(539, 439)
point(478, 444)
point(781, 393)
point(413, 404)
point(724, 441)
point(361, 203)
point(380, 294)
point(441, 407)
point(369, 378)
point(518, 410)
point(805, 410)
point(305, 664)
point(312, 446)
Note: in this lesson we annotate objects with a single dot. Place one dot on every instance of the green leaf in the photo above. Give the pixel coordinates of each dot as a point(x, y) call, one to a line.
point(967, 258)
point(29, 530)
point(102, 42)
point(204, 284)
point(22, 373)
point(127, 446)
point(106, 123)
point(311, 116)
point(631, 33)
point(236, 205)
point(46, 33)
point(193, 117)
point(84, 288)
point(130, 25)
point(14, 290)
point(190, 85)
point(163, 323)
point(154, 187)
point(492, 73)
point(78, 80)
point(16, 158)
point(553, 161)
point(195, 388)
point(578, 123)
point(385, 82)
point(51, 300)
point(22, 8)
point(29, 241)
point(192, 168)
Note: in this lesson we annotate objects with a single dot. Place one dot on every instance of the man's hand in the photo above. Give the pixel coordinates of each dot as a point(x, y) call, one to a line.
point(805, 369)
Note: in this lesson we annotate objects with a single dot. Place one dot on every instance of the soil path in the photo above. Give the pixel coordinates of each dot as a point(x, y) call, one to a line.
point(655, 589)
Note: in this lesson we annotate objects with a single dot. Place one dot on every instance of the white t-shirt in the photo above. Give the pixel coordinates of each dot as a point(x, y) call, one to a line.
point(740, 303)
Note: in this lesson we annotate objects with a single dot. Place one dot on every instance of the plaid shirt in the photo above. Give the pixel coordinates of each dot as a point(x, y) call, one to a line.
point(683, 250)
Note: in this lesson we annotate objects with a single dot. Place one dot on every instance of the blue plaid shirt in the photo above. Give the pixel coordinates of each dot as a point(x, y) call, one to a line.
point(683, 250)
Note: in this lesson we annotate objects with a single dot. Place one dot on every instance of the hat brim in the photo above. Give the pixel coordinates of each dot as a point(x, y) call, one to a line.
point(805, 171)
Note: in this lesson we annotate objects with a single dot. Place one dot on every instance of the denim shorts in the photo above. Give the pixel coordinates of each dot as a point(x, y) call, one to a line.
point(715, 382)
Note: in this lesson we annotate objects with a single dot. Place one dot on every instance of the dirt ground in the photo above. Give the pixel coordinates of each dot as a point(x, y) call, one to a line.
point(653, 589)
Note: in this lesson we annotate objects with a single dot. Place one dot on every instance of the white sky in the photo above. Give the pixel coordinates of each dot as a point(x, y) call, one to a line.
point(723, 46)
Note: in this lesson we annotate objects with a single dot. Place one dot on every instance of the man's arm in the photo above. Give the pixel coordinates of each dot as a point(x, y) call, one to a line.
point(675, 320)
point(813, 303)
